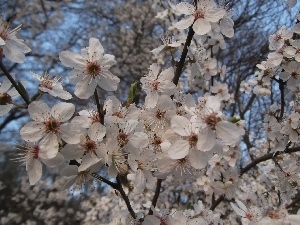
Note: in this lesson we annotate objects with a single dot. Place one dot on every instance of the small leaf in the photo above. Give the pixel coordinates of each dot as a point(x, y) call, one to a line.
point(131, 94)
point(22, 89)
point(234, 120)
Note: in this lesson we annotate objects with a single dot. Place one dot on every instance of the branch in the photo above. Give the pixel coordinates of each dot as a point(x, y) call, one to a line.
point(125, 197)
point(267, 157)
point(180, 64)
point(98, 177)
point(217, 202)
point(16, 86)
point(155, 198)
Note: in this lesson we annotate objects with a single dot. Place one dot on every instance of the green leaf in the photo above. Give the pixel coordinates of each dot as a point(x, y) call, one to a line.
point(132, 92)
point(234, 119)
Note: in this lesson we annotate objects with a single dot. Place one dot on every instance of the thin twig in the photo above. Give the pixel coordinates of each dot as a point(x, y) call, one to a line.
point(180, 64)
point(217, 202)
point(112, 184)
point(155, 198)
point(125, 197)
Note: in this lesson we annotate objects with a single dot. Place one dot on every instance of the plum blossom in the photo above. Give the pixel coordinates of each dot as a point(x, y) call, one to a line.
point(201, 17)
point(52, 86)
point(168, 43)
point(48, 125)
point(88, 149)
point(12, 47)
point(90, 68)
point(31, 154)
point(156, 83)
point(251, 214)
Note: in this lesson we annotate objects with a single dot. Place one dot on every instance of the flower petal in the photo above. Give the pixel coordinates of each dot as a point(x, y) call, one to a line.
point(184, 23)
point(201, 26)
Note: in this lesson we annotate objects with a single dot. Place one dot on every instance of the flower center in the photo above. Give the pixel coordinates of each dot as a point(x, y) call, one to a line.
point(157, 141)
point(118, 114)
point(155, 84)
point(122, 139)
point(211, 121)
point(52, 126)
point(193, 139)
point(199, 14)
point(35, 152)
point(90, 146)
point(93, 69)
point(47, 84)
point(159, 114)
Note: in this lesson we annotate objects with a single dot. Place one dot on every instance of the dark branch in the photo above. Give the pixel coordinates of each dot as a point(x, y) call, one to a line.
point(180, 64)
point(155, 198)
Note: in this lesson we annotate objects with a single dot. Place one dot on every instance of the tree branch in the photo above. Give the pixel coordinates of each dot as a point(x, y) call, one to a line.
point(267, 157)
point(125, 197)
point(180, 65)
point(155, 198)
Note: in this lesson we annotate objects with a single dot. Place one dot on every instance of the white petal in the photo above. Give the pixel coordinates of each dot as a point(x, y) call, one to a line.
point(139, 140)
point(180, 125)
point(201, 26)
point(2, 42)
point(69, 171)
point(206, 140)
point(57, 91)
point(85, 88)
point(226, 25)
point(241, 205)
point(49, 145)
point(72, 152)
point(5, 85)
point(32, 131)
point(238, 210)
point(184, 23)
point(139, 182)
point(69, 183)
point(4, 109)
point(12, 52)
point(228, 132)
point(166, 75)
point(71, 133)
point(95, 50)
point(63, 111)
point(179, 149)
point(214, 14)
point(97, 132)
point(87, 161)
point(108, 81)
point(38, 111)
point(34, 169)
point(185, 8)
point(112, 171)
point(56, 161)
point(198, 159)
point(73, 60)
point(151, 99)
